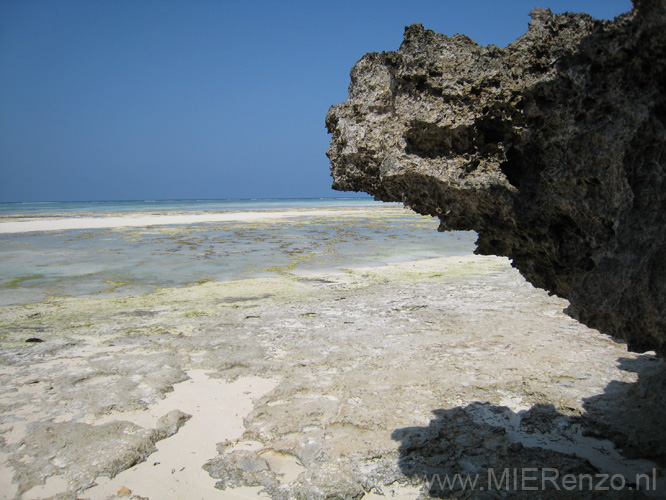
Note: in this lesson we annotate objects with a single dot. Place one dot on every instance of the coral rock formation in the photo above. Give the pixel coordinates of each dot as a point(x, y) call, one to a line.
point(552, 149)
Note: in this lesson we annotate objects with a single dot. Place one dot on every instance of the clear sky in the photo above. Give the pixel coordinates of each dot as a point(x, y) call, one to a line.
point(166, 99)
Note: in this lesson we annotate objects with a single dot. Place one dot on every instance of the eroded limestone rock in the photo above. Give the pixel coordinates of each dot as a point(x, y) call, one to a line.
point(552, 149)
point(57, 448)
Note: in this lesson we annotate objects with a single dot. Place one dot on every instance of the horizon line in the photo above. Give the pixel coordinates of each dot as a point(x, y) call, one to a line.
point(157, 200)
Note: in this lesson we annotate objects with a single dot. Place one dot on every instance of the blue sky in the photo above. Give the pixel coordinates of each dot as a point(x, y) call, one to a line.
point(165, 99)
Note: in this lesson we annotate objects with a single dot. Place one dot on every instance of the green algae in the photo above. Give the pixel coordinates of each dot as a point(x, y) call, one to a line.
point(440, 268)
point(152, 330)
point(165, 307)
point(164, 310)
point(239, 306)
point(19, 281)
point(200, 282)
point(117, 283)
point(291, 265)
point(197, 314)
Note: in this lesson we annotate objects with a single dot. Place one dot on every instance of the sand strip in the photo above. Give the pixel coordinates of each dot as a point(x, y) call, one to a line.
point(174, 470)
point(60, 224)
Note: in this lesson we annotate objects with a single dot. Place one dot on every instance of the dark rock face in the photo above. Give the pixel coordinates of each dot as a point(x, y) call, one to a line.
point(553, 150)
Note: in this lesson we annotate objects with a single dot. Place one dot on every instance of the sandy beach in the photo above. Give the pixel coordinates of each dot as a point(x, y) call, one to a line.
point(364, 382)
point(62, 223)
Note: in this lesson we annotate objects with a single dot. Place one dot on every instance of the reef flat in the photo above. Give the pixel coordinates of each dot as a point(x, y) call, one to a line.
point(320, 382)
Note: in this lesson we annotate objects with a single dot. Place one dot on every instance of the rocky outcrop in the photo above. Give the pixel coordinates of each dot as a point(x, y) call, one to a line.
point(552, 149)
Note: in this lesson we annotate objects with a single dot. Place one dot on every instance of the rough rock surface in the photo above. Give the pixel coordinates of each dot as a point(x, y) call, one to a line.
point(388, 378)
point(53, 448)
point(552, 149)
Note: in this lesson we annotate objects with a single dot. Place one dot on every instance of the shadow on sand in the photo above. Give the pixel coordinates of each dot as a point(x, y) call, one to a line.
point(616, 449)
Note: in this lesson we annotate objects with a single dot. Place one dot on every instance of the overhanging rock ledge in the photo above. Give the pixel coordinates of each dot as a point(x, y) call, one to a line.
point(552, 149)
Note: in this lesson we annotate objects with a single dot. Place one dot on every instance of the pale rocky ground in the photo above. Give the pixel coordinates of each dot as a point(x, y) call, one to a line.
point(352, 384)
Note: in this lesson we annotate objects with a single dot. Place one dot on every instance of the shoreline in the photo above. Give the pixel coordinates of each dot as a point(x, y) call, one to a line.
point(138, 219)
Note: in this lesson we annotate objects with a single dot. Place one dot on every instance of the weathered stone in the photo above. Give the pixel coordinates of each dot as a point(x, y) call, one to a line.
point(124, 491)
point(552, 149)
point(53, 448)
point(241, 468)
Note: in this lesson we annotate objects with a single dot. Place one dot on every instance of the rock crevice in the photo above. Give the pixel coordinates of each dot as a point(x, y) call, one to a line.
point(553, 149)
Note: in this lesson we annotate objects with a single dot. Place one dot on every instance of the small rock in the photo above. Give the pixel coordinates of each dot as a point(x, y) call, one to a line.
point(124, 491)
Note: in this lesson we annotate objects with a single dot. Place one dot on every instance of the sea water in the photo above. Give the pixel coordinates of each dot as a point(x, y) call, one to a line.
point(133, 260)
point(162, 206)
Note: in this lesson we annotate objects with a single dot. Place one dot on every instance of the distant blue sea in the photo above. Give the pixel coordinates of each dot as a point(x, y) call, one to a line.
point(111, 207)
point(134, 260)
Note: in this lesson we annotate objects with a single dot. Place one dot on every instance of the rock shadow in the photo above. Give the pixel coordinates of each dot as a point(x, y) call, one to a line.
point(615, 449)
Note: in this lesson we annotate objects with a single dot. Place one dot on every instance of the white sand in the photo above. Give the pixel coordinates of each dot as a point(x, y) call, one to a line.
point(60, 224)
point(174, 470)
point(8, 489)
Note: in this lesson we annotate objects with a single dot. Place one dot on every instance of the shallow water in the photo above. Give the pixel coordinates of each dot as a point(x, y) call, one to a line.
point(128, 261)
point(123, 207)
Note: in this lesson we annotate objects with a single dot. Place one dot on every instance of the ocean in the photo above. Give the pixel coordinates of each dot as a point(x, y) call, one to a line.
point(77, 208)
point(121, 261)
